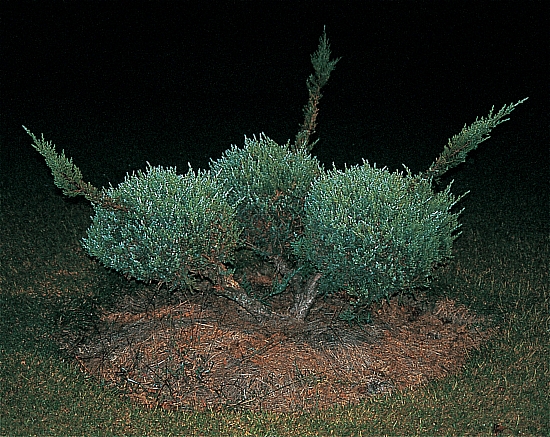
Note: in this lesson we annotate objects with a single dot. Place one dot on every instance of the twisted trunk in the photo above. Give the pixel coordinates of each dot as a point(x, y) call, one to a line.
point(304, 300)
point(232, 290)
point(304, 296)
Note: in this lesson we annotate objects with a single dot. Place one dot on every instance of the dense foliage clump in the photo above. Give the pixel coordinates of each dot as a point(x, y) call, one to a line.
point(374, 233)
point(267, 183)
point(172, 227)
point(363, 232)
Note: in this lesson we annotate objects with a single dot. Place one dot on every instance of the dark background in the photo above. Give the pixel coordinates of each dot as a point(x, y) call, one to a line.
point(119, 83)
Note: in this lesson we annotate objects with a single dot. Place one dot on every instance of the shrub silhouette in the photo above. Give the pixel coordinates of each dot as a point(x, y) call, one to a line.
point(363, 232)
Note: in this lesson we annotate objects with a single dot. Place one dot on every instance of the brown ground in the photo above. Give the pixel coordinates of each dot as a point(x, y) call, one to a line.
point(206, 352)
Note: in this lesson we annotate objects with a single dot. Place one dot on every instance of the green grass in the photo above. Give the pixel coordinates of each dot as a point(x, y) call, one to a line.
point(48, 285)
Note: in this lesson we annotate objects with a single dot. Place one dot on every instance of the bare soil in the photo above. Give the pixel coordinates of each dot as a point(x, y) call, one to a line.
point(201, 352)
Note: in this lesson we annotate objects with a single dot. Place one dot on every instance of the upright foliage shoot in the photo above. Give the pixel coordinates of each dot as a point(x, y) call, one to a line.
point(323, 66)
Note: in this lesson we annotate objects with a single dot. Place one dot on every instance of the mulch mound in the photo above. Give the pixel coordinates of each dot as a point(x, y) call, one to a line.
point(204, 352)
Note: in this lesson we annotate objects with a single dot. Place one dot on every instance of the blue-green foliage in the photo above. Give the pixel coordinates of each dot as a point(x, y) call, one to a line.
point(364, 230)
point(374, 233)
point(267, 183)
point(173, 226)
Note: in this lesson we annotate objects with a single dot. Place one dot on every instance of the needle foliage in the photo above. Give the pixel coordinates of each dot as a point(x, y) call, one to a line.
point(363, 232)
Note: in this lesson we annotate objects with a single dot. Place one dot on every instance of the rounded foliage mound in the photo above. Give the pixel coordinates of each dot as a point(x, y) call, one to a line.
point(267, 183)
point(373, 233)
point(172, 227)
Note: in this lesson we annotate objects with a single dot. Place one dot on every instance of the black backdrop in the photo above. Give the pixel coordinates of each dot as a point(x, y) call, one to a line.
point(119, 83)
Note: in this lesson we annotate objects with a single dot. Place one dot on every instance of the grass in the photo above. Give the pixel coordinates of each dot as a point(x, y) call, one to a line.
point(49, 285)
